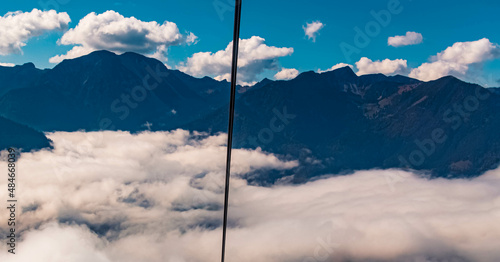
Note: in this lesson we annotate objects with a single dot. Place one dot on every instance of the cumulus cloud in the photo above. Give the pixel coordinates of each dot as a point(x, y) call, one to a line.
point(18, 27)
point(311, 30)
point(114, 32)
point(386, 66)
point(457, 60)
point(254, 58)
point(438, 69)
point(113, 196)
point(286, 74)
point(411, 38)
point(7, 64)
point(337, 66)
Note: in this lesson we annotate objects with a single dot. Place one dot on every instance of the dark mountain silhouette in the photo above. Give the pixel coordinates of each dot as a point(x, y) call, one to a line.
point(20, 137)
point(105, 91)
point(14, 134)
point(18, 77)
point(334, 122)
point(342, 122)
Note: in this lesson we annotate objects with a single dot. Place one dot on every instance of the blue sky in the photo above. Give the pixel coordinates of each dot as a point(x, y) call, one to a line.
point(280, 23)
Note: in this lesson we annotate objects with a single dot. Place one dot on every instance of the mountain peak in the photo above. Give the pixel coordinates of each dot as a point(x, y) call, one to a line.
point(448, 77)
point(29, 65)
point(136, 56)
point(260, 84)
point(446, 81)
point(307, 75)
point(91, 58)
point(264, 81)
point(341, 74)
point(372, 78)
point(131, 54)
point(102, 53)
point(345, 70)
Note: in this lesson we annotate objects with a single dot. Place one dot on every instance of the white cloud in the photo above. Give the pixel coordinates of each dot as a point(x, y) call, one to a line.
point(457, 60)
point(158, 197)
point(101, 173)
point(7, 64)
point(470, 52)
point(438, 69)
point(114, 32)
point(18, 27)
point(411, 38)
point(337, 66)
point(386, 66)
point(254, 58)
point(78, 243)
point(312, 29)
point(286, 74)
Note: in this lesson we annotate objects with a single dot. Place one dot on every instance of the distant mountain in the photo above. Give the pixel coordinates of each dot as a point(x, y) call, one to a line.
point(107, 91)
point(340, 122)
point(13, 134)
point(18, 77)
point(21, 137)
point(334, 122)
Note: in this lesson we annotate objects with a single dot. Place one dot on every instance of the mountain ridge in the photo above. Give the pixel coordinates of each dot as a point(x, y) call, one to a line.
point(333, 122)
point(129, 90)
point(21, 137)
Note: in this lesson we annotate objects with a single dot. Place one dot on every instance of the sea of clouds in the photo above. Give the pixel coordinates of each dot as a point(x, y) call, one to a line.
point(157, 196)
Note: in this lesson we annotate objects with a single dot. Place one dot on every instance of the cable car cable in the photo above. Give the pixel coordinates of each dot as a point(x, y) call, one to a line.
point(234, 70)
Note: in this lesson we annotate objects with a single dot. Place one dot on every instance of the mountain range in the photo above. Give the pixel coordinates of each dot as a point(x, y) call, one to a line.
point(333, 122)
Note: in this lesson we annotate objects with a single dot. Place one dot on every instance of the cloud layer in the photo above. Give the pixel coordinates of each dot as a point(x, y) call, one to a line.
point(311, 30)
point(18, 27)
point(113, 196)
point(411, 38)
point(113, 32)
point(254, 58)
